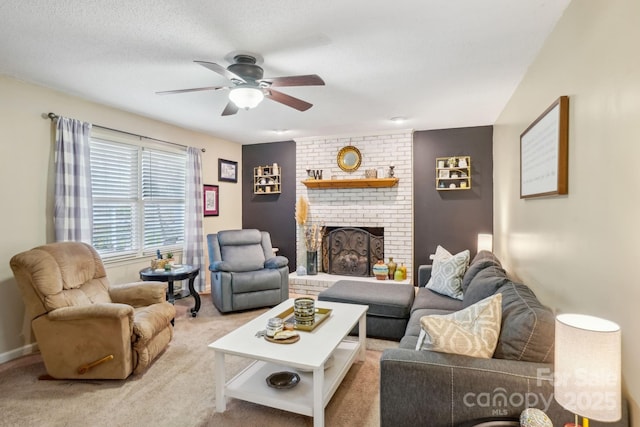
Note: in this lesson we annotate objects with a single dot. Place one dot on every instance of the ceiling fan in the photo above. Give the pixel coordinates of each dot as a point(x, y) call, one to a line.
point(249, 87)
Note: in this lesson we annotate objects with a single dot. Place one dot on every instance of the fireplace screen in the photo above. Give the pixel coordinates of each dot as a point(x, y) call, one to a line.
point(352, 251)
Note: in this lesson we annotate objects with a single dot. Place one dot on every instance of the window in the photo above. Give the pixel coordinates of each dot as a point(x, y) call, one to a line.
point(138, 198)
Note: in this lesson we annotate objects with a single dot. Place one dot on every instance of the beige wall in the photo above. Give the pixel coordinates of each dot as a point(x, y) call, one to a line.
point(26, 144)
point(578, 252)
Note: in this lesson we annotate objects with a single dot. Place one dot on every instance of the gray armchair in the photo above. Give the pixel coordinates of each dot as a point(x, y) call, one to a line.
point(245, 273)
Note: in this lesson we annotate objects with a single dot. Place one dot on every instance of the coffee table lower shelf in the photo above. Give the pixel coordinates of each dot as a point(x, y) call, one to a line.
point(250, 384)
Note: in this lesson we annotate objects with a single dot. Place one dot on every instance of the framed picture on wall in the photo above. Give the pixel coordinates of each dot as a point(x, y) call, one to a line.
point(544, 153)
point(227, 170)
point(211, 200)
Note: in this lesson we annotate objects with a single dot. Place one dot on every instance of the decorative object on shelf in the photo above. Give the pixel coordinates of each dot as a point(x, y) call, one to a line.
point(349, 158)
point(380, 270)
point(371, 173)
point(391, 265)
point(544, 153)
point(391, 171)
point(283, 380)
point(267, 179)
point(227, 170)
point(588, 375)
point(456, 173)
point(210, 202)
point(397, 276)
point(403, 268)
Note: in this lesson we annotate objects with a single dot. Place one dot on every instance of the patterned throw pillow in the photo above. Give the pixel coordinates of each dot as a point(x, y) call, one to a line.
point(472, 331)
point(447, 272)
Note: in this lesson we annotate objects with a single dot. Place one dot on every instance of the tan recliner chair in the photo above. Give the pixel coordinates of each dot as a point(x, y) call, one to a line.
point(85, 328)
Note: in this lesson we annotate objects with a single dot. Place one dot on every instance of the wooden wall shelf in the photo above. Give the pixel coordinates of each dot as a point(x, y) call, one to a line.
point(351, 183)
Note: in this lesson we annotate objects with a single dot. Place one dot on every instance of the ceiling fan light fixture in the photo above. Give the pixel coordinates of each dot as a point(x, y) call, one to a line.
point(246, 97)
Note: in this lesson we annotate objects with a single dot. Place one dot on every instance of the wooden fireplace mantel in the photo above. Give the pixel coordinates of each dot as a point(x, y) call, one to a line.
point(351, 183)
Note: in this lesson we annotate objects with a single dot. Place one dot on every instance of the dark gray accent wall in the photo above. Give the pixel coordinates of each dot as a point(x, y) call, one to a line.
point(272, 212)
point(451, 219)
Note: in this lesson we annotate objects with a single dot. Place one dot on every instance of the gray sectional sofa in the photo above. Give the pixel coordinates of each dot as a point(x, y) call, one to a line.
point(428, 388)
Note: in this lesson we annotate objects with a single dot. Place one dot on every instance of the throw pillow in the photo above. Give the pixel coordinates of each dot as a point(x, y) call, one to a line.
point(529, 332)
point(447, 272)
point(472, 331)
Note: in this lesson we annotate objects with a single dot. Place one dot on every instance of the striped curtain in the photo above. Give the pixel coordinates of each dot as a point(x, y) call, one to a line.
point(193, 250)
point(73, 204)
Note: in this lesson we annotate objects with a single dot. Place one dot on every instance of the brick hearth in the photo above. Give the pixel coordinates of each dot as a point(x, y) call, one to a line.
point(313, 285)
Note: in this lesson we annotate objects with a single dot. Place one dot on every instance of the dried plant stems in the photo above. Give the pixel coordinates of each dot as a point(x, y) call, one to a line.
point(313, 237)
point(302, 211)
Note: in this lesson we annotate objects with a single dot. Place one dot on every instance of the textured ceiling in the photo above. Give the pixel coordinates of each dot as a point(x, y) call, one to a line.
point(440, 64)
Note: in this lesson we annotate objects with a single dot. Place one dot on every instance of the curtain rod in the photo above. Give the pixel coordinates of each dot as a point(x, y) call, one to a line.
point(54, 116)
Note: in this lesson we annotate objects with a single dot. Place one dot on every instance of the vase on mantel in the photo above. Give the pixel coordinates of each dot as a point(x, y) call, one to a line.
point(392, 268)
point(312, 262)
point(380, 270)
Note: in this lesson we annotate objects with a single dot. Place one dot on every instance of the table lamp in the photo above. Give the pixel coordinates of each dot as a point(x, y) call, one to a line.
point(485, 242)
point(587, 377)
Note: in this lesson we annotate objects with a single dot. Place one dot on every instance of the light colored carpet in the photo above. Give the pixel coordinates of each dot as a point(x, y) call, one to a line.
point(178, 389)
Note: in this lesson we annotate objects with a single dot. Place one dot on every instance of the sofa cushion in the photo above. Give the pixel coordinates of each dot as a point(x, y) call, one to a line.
point(447, 272)
point(426, 298)
point(482, 260)
point(528, 327)
point(472, 331)
point(485, 283)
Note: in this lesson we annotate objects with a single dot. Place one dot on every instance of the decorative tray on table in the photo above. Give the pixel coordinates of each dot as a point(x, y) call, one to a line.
point(322, 314)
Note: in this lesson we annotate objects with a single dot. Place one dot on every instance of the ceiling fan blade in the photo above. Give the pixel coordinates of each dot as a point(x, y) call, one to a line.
point(307, 80)
point(195, 89)
point(221, 70)
point(288, 100)
point(230, 109)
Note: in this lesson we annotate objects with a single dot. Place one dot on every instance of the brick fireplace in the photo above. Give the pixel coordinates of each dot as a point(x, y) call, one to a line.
point(389, 209)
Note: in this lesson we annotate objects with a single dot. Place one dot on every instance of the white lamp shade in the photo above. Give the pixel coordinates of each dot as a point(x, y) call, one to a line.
point(246, 97)
point(587, 377)
point(485, 242)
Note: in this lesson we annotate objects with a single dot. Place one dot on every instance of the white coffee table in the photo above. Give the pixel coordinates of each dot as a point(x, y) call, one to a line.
point(307, 357)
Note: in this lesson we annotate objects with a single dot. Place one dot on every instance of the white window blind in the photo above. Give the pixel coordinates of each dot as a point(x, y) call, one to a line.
point(163, 187)
point(138, 198)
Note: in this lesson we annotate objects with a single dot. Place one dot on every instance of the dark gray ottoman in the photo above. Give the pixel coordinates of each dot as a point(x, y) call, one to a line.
point(389, 304)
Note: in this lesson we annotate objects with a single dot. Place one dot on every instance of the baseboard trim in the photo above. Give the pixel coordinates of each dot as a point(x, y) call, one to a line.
point(18, 352)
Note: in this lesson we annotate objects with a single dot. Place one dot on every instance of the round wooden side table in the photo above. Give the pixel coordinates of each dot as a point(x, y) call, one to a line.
point(185, 272)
